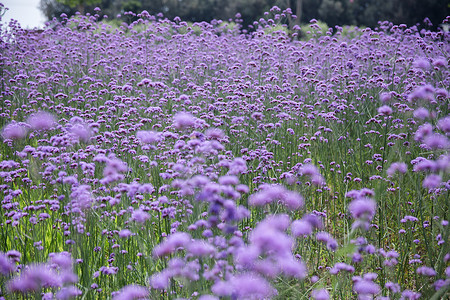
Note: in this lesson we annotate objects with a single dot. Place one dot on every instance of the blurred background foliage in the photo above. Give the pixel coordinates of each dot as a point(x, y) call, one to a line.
point(331, 12)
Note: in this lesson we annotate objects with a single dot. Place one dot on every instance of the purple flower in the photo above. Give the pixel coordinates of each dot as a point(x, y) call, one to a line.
point(425, 92)
point(440, 62)
point(183, 120)
point(421, 113)
point(124, 233)
point(366, 287)
point(63, 259)
point(320, 294)
point(228, 180)
point(208, 297)
point(160, 280)
point(300, 228)
point(292, 267)
point(215, 133)
point(271, 193)
point(250, 286)
point(148, 137)
point(269, 237)
point(436, 141)
point(131, 292)
point(444, 125)
point(326, 238)
point(41, 121)
point(14, 255)
point(68, 292)
point(396, 167)
point(393, 287)
point(6, 265)
point(200, 248)
point(422, 63)
point(292, 200)
point(14, 131)
point(33, 278)
point(385, 97)
point(407, 294)
point(140, 216)
point(170, 245)
point(312, 171)
point(80, 130)
point(385, 110)
point(432, 181)
point(341, 267)
point(426, 271)
point(363, 208)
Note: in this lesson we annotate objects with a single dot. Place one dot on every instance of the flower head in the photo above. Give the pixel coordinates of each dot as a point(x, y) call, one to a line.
point(41, 121)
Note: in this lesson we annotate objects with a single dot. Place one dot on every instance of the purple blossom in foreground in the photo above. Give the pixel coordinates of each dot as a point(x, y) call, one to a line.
point(271, 193)
point(426, 271)
point(170, 245)
point(421, 113)
point(7, 266)
point(395, 167)
point(244, 286)
point(444, 125)
point(385, 110)
point(33, 278)
point(366, 287)
point(327, 239)
point(41, 121)
point(131, 292)
point(14, 131)
point(320, 294)
point(68, 292)
point(363, 208)
point(312, 172)
point(432, 181)
point(183, 120)
point(148, 137)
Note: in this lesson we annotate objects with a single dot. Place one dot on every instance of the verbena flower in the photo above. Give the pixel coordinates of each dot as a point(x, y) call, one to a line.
point(131, 292)
point(41, 121)
point(14, 131)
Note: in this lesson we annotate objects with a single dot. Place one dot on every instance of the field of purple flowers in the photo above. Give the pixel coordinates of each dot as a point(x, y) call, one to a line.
point(167, 160)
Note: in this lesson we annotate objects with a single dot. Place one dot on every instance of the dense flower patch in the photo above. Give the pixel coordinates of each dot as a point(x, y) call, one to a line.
point(161, 160)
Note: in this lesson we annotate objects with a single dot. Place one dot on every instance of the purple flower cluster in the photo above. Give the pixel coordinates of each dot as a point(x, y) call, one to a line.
point(163, 159)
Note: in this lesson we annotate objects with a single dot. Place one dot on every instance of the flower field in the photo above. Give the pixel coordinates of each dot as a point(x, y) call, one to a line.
point(167, 160)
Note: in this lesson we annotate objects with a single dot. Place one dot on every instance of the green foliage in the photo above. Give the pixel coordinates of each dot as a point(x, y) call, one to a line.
point(76, 3)
point(351, 32)
point(332, 12)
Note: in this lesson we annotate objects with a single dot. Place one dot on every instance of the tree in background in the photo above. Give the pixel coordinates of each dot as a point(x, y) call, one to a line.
point(332, 12)
point(79, 4)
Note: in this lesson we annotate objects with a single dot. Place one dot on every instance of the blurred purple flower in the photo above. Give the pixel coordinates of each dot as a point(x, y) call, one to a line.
point(148, 137)
point(68, 292)
point(140, 216)
point(385, 110)
point(327, 239)
point(432, 181)
point(200, 248)
point(422, 63)
point(421, 113)
point(14, 131)
point(33, 278)
point(366, 287)
point(131, 292)
point(400, 167)
point(183, 120)
point(426, 271)
point(170, 245)
point(41, 121)
point(363, 208)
